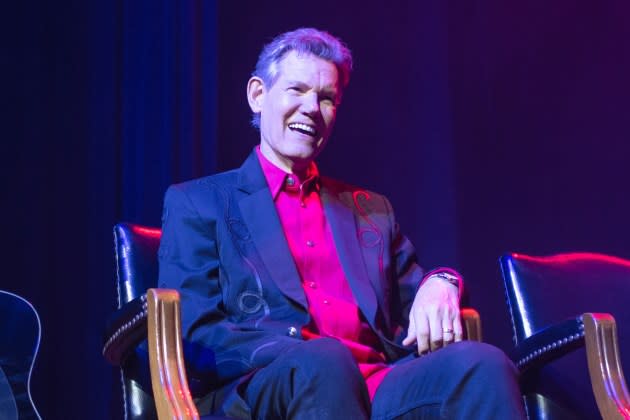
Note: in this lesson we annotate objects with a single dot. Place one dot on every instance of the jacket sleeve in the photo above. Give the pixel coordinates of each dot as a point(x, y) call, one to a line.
point(217, 349)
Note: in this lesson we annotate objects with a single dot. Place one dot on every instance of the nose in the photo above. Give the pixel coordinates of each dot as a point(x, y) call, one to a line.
point(310, 104)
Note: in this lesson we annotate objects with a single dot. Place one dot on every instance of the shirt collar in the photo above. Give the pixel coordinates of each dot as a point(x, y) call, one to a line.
point(279, 180)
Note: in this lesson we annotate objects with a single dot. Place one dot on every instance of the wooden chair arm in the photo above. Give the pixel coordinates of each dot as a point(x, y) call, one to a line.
point(604, 366)
point(168, 375)
point(472, 324)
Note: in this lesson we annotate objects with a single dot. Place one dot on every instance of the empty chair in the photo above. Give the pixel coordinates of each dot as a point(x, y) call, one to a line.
point(563, 310)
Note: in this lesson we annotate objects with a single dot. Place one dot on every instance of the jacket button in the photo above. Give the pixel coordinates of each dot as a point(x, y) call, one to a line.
point(292, 331)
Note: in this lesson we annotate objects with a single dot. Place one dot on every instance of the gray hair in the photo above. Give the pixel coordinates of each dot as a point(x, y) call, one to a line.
point(305, 41)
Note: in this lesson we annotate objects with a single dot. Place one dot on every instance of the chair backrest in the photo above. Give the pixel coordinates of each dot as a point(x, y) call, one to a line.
point(542, 291)
point(136, 250)
point(136, 260)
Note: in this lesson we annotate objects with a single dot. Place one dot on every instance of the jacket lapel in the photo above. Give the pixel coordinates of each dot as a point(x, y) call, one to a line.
point(260, 215)
point(343, 225)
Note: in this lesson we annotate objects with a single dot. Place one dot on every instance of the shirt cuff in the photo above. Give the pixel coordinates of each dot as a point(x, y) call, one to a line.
point(454, 273)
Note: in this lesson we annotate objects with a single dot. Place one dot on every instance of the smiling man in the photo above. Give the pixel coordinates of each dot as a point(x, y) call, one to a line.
point(297, 110)
point(300, 296)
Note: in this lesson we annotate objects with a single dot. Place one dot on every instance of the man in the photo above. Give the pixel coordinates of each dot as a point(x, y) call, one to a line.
point(300, 297)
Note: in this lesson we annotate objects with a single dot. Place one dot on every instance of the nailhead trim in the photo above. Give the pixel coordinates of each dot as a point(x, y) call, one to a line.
point(556, 344)
point(129, 324)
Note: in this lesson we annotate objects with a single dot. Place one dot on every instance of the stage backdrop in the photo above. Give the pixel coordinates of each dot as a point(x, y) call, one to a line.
point(492, 127)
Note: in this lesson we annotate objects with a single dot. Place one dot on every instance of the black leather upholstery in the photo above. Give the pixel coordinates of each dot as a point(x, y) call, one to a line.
point(136, 270)
point(124, 340)
point(136, 260)
point(546, 297)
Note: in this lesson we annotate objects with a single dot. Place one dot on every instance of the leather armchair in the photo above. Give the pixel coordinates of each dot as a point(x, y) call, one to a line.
point(143, 337)
point(563, 310)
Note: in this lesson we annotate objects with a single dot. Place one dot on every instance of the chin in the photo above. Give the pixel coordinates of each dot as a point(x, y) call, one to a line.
point(302, 158)
point(303, 152)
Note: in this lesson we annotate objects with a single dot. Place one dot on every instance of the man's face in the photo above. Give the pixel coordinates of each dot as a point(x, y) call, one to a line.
point(297, 113)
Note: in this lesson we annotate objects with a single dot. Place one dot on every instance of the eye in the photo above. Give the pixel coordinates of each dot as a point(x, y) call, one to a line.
point(329, 99)
point(295, 89)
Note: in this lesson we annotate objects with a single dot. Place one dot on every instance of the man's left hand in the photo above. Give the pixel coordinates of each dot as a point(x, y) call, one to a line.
point(434, 319)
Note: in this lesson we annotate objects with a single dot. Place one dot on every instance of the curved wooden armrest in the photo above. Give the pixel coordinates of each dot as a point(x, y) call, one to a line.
point(472, 324)
point(604, 366)
point(168, 375)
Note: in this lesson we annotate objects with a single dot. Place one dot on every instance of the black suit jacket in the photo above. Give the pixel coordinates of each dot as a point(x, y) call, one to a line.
point(224, 249)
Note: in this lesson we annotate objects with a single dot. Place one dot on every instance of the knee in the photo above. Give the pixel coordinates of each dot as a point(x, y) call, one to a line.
point(325, 358)
point(325, 353)
point(489, 379)
point(485, 360)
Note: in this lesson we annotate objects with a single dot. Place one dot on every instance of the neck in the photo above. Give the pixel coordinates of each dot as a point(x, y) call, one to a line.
point(287, 165)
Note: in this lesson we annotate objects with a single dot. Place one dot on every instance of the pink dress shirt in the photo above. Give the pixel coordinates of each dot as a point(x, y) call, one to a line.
point(333, 309)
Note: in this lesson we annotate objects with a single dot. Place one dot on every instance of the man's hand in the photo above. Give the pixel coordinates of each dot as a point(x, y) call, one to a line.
point(434, 319)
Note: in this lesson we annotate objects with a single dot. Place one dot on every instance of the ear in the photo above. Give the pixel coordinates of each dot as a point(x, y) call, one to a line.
point(255, 93)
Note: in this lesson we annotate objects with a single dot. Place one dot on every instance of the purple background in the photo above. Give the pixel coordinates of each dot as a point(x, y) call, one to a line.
point(492, 126)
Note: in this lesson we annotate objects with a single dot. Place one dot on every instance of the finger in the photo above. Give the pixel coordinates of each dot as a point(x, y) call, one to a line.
point(422, 333)
point(448, 332)
point(437, 337)
point(458, 329)
point(411, 333)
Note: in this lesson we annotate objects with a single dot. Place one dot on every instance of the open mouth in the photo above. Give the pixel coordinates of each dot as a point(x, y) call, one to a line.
point(306, 129)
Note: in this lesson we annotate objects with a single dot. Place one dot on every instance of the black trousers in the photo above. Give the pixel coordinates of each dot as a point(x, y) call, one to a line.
point(319, 379)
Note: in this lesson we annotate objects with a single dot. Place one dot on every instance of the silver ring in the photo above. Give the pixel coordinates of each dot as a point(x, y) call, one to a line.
point(447, 331)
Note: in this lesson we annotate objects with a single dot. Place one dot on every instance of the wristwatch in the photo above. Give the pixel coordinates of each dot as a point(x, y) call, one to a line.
point(448, 277)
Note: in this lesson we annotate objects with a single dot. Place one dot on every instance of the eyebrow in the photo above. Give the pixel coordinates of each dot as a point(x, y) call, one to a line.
point(296, 82)
point(333, 89)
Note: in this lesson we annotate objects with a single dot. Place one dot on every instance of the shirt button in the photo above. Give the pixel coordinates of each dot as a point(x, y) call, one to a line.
point(310, 244)
point(312, 285)
point(292, 331)
point(326, 302)
point(290, 181)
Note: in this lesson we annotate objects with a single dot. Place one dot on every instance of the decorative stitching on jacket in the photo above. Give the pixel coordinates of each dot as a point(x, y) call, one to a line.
point(374, 228)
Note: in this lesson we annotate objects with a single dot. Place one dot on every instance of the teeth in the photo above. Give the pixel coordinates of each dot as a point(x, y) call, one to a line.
point(302, 127)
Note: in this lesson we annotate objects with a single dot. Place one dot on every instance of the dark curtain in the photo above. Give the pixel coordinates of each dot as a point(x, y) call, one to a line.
point(540, 120)
point(393, 129)
point(492, 127)
point(109, 103)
